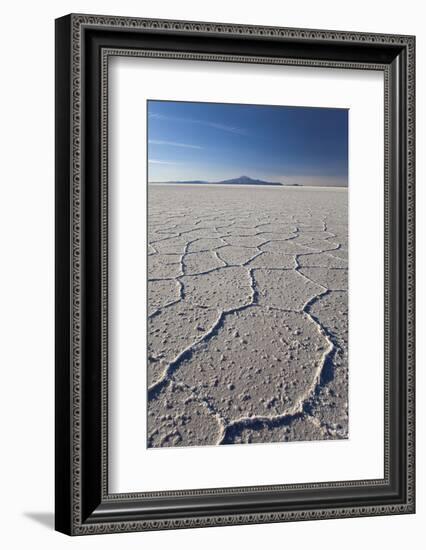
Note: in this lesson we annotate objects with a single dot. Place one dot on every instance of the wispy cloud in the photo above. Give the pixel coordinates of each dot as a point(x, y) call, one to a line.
point(224, 127)
point(174, 144)
point(154, 161)
point(215, 125)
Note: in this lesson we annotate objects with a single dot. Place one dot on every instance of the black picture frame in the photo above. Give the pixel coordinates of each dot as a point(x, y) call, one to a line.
point(83, 45)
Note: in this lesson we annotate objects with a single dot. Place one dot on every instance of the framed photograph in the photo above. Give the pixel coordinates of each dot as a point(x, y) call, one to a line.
point(234, 274)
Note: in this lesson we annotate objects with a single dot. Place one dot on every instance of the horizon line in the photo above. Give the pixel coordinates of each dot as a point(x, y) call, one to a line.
point(269, 184)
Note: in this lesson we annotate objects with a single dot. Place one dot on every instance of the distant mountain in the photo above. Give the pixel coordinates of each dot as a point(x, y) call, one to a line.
point(242, 180)
point(245, 180)
point(184, 181)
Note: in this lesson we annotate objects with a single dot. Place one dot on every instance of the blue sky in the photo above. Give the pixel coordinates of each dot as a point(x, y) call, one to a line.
point(215, 141)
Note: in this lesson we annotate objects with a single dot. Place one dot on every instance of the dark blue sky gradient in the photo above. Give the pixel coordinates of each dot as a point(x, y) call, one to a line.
point(214, 141)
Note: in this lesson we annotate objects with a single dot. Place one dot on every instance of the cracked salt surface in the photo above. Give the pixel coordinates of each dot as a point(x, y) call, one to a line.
point(247, 315)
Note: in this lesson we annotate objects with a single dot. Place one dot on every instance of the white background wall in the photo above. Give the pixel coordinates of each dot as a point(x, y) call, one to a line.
point(27, 261)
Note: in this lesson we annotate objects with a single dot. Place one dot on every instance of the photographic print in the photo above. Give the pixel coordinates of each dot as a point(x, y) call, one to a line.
point(247, 273)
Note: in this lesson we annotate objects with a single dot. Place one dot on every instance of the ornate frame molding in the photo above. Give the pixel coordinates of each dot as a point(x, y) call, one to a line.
point(72, 47)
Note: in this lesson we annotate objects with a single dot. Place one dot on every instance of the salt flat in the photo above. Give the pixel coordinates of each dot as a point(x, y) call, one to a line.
point(247, 314)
